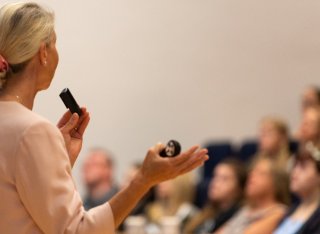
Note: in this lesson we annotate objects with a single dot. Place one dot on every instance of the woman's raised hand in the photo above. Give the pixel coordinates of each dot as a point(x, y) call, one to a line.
point(72, 128)
point(156, 169)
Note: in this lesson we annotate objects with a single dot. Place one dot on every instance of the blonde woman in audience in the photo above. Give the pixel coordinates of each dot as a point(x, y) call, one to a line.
point(173, 198)
point(310, 98)
point(273, 140)
point(309, 130)
point(304, 217)
point(267, 195)
point(225, 194)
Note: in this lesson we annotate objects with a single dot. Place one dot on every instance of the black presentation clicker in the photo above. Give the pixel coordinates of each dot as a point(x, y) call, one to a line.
point(70, 102)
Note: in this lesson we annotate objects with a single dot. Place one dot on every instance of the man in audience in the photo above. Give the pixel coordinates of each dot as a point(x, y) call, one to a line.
point(98, 178)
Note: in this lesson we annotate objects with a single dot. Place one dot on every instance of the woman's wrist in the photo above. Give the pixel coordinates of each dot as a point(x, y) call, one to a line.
point(141, 182)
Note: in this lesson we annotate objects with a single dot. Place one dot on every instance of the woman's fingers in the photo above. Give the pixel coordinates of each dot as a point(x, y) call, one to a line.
point(193, 166)
point(158, 148)
point(197, 159)
point(82, 126)
point(71, 124)
point(64, 119)
point(185, 156)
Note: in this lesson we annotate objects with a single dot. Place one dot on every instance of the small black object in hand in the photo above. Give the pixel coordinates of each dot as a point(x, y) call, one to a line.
point(172, 149)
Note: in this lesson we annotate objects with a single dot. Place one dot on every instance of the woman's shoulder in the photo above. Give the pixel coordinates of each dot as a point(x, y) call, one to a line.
point(18, 122)
point(21, 119)
point(312, 225)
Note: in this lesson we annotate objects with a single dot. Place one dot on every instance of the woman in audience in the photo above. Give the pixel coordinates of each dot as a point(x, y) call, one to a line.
point(225, 197)
point(267, 194)
point(273, 140)
point(310, 126)
point(311, 97)
point(304, 218)
point(173, 198)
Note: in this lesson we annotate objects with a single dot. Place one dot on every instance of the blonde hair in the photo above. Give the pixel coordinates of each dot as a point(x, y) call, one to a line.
point(24, 26)
point(183, 193)
point(281, 127)
point(280, 179)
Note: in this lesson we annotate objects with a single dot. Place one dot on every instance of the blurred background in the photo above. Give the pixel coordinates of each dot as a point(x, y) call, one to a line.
point(195, 71)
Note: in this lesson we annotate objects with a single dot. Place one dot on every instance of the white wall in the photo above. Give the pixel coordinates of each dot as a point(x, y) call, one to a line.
point(192, 70)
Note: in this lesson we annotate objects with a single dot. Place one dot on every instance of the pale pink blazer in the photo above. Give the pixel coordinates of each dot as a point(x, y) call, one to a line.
point(37, 191)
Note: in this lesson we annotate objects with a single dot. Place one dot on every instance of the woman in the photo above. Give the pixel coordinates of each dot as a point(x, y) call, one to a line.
point(173, 198)
point(310, 98)
point(309, 130)
point(37, 190)
point(304, 218)
point(225, 198)
point(273, 141)
point(267, 195)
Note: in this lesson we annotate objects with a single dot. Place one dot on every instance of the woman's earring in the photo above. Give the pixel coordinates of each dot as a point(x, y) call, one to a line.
point(45, 63)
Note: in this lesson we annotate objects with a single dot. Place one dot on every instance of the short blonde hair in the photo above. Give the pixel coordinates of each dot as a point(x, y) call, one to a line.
point(24, 26)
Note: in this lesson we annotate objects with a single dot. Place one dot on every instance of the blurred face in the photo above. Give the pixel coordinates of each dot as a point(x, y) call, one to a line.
point(49, 59)
point(309, 128)
point(164, 189)
point(96, 170)
point(260, 183)
point(270, 140)
point(129, 175)
point(224, 185)
point(304, 178)
point(309, 99)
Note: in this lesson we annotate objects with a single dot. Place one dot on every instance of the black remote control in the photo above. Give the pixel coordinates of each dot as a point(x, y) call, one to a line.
point(70, 102)
point(172, 149)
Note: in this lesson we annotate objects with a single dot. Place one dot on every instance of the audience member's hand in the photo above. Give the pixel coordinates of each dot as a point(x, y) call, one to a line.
point(72, 128)
point(156, 169)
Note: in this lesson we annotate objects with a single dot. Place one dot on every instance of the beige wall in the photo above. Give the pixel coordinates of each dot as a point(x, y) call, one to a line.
point(193, 70)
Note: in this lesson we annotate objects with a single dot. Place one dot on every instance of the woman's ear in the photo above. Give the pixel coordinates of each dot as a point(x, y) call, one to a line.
point(43, 54)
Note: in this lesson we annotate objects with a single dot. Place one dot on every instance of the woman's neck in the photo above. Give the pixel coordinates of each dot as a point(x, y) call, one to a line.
point(312, 199)
point(226, 205)
point(20, 88)
point(262, 203)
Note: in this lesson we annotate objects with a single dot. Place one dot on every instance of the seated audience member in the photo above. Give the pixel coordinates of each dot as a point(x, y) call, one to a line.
point(304, 217)
point(274, 141)
point(310, 126)
point(311, 98)
point(267, 194)
point(98, 178)
point(225, 197)
point(173, 198)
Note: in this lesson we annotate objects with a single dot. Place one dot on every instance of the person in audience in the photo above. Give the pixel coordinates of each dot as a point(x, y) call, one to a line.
point(225, 194)
point(267, 195)
point(304, 217)
point(310, 98)
point(173, 198)
point(98, 170)
point(274, 140)
point(310, 126)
